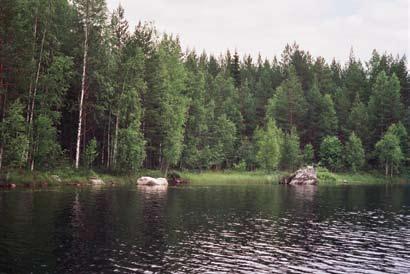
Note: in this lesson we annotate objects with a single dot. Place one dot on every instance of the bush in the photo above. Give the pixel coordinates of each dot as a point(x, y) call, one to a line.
point(331, 152)
point(324, 175)
point(241, 166)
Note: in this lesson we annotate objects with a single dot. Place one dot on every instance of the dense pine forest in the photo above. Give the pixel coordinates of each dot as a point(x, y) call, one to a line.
point(79, 87)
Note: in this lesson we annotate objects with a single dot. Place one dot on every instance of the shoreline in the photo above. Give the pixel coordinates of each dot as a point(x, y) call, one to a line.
point(70, 177)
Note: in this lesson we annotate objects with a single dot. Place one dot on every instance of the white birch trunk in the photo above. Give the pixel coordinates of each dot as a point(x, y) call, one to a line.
point(30, 89)
point(33, 102)
point(80, 115)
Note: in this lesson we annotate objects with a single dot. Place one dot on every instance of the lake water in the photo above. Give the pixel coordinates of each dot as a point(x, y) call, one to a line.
point(200, 229)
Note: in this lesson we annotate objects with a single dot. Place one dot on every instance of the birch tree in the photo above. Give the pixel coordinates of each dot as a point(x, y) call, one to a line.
point(91, 14)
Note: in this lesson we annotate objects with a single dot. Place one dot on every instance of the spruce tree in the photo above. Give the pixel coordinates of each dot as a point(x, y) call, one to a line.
point(288, 105)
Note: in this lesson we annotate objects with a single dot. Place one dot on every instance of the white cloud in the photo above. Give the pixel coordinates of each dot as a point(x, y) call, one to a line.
point(324, 27)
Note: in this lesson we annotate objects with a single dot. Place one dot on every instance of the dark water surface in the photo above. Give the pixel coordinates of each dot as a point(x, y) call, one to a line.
point(199, 229)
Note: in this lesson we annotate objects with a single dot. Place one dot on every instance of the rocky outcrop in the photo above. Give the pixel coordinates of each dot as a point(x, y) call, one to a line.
point(304, 176)
point(152, 181)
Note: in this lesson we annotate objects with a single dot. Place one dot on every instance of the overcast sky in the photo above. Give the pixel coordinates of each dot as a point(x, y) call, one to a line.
point(324, 27)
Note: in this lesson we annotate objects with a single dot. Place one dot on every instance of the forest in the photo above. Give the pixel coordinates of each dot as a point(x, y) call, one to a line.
point(79, 87)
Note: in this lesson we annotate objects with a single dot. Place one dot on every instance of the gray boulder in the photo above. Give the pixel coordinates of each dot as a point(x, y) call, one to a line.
point(152, 181)
point(304, 176)
point(96, 181)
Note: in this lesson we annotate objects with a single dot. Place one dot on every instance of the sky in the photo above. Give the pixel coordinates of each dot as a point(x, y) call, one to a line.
point(328, 28)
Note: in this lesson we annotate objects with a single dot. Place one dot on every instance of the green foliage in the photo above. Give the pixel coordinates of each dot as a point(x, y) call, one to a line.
point(131, 149)
point(358, 120)
point(173, 103)
point(150, 105)
point(13, 136)
point(241, 166)
point(354, 153)
point(389, 153)
point(385, 107)
point(90, 153)
point(290, 154)
point(328, 119)
point(325, 176)
point(223, 141)
point(268, 146)
point(288, 105)
point(47, 150)
point(196, 130)
point(331, 153)
point(247, 153)
point(308, 154)
point(400, 131)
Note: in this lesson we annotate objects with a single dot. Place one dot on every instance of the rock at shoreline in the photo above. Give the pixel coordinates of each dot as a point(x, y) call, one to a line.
point(304, 176)
point(152, 181)
point(96, 181)
point(8, 186)
point(56, 178)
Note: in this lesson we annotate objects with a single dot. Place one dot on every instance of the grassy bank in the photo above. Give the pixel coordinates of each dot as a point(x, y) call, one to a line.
point(326, 177)
point(260, 177)
point(231, 177)
point(69, 176)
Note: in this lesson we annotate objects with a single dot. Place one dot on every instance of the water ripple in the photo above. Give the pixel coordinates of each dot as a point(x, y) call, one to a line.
point(261, 229)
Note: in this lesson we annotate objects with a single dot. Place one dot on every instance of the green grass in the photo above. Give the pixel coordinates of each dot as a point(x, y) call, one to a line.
point(230, 177)
point(327, 177)
point(70, 176)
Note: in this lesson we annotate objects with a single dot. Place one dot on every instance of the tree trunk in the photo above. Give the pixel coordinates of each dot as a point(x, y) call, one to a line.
point(3, 114)
point(80, 114)
point(109, 141)
point(1, 155)
point(84, 130)
point(33, 101)
point(30, 89)
point(386, 169)
point(103, 150)
point(164, 166)
point(114, 154)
